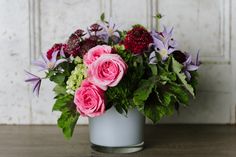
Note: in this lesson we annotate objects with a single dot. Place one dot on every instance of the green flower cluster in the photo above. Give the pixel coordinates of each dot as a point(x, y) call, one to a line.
point(76, 77)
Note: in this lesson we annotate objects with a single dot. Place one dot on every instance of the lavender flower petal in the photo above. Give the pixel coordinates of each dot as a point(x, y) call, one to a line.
point(54, 57)
point(173, 43)
point(152, 58)
point(188, 75)
point(191, 67)
point(62, 53)
point(59, 62)
point(163, 42)
point(167, 32)
point(197, 62)
point(109, 30)
point(40, 64)
point(35, 81)
point(45, 58)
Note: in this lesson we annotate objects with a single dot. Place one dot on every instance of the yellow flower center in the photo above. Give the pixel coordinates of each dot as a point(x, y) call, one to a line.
point(110, 31)
point(51, 65)
point(163, 53)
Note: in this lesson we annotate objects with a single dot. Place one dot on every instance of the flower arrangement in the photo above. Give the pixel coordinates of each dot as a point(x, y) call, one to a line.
point(104, 67)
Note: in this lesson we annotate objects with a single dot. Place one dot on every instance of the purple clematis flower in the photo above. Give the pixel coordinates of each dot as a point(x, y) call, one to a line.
point(49, 64)
point(163, 44)
point(110, 30)
point(165, 36)
point(190, 65)
point(35, 81)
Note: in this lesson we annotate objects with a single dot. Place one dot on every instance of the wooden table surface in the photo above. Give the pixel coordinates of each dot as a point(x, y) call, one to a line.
point(160, 141)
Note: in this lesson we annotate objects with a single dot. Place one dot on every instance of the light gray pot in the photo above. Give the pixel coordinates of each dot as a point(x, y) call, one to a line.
point(113, 132)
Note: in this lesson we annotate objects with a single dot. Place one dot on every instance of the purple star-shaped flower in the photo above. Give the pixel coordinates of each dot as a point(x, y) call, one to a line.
point(166, 35)
point(49, 64)
point(110, 30)
point(35, 81)
point(190, 65)
point(163, 43)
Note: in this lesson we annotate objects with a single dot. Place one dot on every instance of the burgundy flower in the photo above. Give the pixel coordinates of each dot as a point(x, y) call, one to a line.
point(87, 44)
point(56, 47)
point(137, 40)
point(179, 56)
point(73, 43)
point(94, 28)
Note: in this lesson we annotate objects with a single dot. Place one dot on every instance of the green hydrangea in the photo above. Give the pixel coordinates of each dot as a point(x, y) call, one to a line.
point(76, 77)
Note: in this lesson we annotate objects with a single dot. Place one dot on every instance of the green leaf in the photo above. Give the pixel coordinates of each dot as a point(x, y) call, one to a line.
point(158, 16)
point(151, 107)
point(102, 17)
point(194, 80)
point(62, 103)
point(180, 93)
point(67, 122)
point(121, 109)
point(59, 90)
point(58, 78)
point(50, 73)
point(153, 68)
point(166, 98)
point(154, 109)
point(143, 91)
point(152, 112)
point(177, 68)
point(69, 115)
point(166, 75)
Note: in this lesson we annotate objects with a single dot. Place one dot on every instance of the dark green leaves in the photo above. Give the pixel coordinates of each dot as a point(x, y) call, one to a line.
point(69, 115)
point(166, 85)
point(151, 109)
point(59, 90)
point(180, 93)
point(155, 110)
point(58, 78)
point(67, 122)
point(177, 68)
point(62, 103)
point(143, 91)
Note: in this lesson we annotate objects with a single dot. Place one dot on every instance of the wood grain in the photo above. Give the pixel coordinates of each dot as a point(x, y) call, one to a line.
point(160, 141)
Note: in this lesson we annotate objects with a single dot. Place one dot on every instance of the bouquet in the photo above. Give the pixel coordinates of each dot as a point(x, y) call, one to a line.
point(104, 67)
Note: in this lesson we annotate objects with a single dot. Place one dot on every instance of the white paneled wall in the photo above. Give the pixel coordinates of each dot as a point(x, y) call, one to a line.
point(29, 27)
point(14, 50)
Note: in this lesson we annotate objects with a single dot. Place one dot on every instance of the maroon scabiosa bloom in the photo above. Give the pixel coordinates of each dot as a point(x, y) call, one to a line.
point(137, 40)
point(73, 43)
point(94, 28)
point(87, 44)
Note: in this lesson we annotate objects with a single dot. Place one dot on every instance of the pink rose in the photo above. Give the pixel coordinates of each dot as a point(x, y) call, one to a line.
point(95, 52)
point(107, 70)
point(89, 100)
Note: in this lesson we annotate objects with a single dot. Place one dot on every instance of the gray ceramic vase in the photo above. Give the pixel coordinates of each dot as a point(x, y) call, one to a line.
point(115, 133)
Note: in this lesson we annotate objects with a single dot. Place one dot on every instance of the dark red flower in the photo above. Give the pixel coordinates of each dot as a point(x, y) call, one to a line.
point(95, 28)
point(87, 44)
point(79, 33)
point(137, 40)
point(179, 56)
point(56, 47)
point(74, 42)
